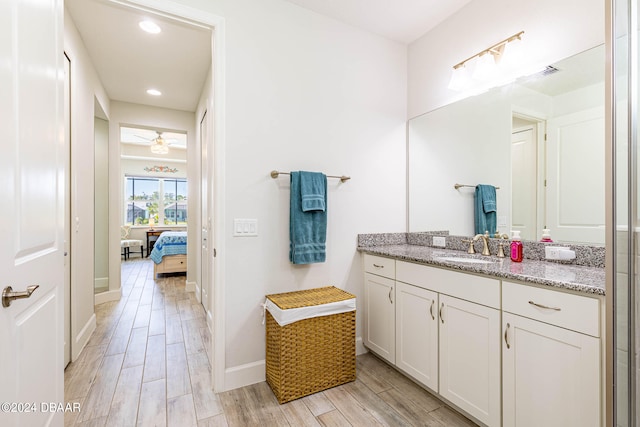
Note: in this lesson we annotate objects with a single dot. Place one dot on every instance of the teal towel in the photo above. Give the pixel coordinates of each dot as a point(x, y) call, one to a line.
point(485, 209)
point(313, 188)
point(307, 230)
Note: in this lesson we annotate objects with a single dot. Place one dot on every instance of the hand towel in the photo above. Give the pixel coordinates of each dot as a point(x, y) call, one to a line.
point(485, 209)
point(307, 230)
point(313, 188)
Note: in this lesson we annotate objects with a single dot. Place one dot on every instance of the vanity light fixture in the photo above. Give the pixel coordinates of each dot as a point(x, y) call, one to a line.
point(486, 64)
point(154, 92)
point(149, 26)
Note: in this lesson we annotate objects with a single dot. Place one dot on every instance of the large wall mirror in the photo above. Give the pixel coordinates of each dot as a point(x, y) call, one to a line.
point(539, 139)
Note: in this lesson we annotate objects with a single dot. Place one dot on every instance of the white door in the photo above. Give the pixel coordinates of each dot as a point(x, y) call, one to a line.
point(379, 328)
point(550, 375)
point(575, 177)
point(32, 186)
point(204, 216)
point(470, 358)
point(67, 211)
point(417, 333)
point(524, 167)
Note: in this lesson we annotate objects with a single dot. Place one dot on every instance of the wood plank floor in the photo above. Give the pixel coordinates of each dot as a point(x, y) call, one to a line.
point(147, 365)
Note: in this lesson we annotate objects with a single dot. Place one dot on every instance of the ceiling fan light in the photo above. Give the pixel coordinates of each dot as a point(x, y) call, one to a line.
point(159, 146)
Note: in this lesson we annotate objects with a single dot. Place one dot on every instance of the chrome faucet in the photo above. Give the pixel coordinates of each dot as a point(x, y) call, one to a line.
point(485, 242)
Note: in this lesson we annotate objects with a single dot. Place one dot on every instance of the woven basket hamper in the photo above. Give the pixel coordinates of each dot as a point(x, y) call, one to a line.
point(312, 354)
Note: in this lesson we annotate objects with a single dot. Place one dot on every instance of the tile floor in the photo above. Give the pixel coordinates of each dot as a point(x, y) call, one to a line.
point(147, 365)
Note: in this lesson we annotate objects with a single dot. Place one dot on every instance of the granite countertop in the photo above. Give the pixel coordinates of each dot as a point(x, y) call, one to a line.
point(579, 278)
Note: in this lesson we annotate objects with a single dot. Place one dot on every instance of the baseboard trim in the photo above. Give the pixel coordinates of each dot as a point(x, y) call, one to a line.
point(252, 373)
point(198, 292)
point(103, 297)
point(101, 283)
point(244, 375)
point(83, 337)
point(190, 286)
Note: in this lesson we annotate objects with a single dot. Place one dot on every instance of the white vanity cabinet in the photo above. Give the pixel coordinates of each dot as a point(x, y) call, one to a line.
point(379, 300)
point(455, 349)
point(417, 333)
point(550, 358)
point(505, 353)
point(470, 357)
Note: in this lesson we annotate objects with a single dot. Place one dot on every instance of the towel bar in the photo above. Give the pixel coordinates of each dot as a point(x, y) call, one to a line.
point(457, 186)
point(274, 175)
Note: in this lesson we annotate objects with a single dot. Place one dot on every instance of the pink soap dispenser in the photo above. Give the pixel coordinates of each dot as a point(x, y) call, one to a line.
point(516, 247)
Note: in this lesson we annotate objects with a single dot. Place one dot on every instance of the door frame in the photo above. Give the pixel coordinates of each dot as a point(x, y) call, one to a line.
point(539, 120)
point(216, 148)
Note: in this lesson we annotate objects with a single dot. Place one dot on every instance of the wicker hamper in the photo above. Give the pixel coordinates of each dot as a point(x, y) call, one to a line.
point(312, 354)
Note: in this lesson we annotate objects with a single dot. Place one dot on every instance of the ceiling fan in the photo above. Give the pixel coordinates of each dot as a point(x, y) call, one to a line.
point(159, 145)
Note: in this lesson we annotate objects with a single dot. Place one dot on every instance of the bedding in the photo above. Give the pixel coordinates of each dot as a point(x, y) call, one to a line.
point(169, 243)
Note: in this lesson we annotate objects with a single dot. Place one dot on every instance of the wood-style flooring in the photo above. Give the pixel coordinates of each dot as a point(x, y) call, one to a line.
point(147, 365)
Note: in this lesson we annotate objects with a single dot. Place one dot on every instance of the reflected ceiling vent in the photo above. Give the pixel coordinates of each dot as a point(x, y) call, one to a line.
point(548, 71)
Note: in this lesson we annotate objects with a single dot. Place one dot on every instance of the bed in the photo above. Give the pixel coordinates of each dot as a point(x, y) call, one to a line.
point(169, 253)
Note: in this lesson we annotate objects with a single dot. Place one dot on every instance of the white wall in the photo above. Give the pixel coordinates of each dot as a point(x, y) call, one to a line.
point(85, 88)
point(123, 113)
point(303, 92)
point(553, 30)
point(101, 201)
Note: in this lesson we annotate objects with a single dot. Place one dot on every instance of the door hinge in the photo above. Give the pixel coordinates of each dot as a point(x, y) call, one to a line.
point(215, 253)
point(545, 136)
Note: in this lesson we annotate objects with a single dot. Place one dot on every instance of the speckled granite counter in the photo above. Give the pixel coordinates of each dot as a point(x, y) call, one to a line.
point(574, 277)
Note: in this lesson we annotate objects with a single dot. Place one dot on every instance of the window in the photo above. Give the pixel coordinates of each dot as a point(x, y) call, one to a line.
point(164, 200)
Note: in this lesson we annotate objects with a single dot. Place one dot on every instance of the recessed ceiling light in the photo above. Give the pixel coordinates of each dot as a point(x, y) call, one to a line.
point(149, 27)
point(154, 92)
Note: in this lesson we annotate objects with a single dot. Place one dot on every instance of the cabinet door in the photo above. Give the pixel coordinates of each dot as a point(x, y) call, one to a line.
point(470, 358)
point(379, 326)
point(417, 333)
point(551, 375)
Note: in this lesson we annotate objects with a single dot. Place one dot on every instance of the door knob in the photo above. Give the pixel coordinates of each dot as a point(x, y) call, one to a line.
point(8, 295)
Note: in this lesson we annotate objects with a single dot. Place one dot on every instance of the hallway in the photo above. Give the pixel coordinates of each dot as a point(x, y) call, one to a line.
point(146, 364)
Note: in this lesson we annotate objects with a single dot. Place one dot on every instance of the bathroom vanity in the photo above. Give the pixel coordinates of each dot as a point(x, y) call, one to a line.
point(509, 344)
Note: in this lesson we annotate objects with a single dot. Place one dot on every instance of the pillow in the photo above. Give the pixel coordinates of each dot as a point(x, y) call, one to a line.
point(124, 232)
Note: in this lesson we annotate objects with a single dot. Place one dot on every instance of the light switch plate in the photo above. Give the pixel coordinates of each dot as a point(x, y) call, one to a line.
point(245, 227)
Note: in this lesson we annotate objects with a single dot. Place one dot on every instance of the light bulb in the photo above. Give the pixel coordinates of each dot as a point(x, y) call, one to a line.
point(459, 78)
point(485, 67)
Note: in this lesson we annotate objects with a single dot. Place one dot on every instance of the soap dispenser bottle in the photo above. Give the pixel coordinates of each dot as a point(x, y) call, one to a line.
point(546, 235)
point(516, 247)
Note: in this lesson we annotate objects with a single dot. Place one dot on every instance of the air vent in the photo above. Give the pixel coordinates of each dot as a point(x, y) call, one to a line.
point(548, 71)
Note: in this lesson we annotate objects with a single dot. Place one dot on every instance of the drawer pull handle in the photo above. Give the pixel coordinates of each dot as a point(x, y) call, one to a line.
point(390, 290)
point(378, 266)
point(431, 310)
point(544, 306)
point(506, 336)
point(440, 312)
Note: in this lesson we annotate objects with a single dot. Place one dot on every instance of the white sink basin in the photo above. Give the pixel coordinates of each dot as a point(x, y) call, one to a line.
point(466, 260)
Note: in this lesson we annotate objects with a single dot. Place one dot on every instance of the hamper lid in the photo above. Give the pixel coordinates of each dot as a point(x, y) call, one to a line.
point(309, 297)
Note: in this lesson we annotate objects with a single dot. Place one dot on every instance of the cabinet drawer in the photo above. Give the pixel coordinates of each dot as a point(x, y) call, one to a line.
point(381, 266)
point(177, 263)
point(575, 312)
point(481, 290)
